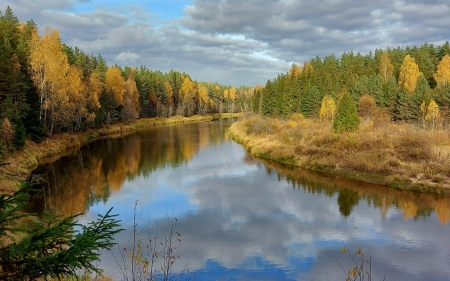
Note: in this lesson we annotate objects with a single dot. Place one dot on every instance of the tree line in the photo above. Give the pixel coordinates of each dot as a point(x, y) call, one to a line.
point(409, 84)
point(47, 86)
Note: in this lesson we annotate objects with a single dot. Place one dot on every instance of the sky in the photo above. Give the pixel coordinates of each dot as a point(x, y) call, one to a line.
point(235, 42)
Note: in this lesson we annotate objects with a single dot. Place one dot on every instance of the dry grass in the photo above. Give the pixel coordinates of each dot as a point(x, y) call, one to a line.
point(391, 153)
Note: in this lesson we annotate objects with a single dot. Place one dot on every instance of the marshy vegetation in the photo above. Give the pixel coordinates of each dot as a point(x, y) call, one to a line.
point(395, 154)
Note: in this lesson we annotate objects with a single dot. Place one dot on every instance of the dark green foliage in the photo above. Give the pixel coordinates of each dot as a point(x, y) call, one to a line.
point(311, 102)
point(346, 119)
point(358, 75)
point(18, 140)
point(408, 105)
point(50, 247)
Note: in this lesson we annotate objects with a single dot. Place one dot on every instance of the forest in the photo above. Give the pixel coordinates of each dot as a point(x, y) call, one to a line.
point(408, 84)
point(47, 87)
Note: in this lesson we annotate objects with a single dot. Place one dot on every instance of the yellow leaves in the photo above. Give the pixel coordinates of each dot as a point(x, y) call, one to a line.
point(357, 270)
point(115, 84)
point(432, 111)
point(225, 94)
point(232, 94)
point(49, 68)
point(442, 75)
point(409, 74)
point(385, 69)
point(131, 98)
point(203, 96)
point(187, 94)
point(295, 71)
point(94, 89)
point(328, 108)
point(367, 106)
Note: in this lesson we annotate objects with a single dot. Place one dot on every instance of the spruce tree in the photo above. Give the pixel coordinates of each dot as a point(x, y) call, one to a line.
point(50, 247)
point(347, 119)
point(311, 102)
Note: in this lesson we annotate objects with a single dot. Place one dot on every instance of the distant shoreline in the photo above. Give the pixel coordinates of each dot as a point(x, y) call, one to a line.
point(23, 162)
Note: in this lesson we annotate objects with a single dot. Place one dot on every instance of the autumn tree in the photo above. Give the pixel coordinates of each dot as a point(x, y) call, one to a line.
point(93, 90)
point(328, 108)
point(367, 106)
point(409, 74)
point(231, 98)
point(347, 119)
point(432, 113)
point(131, 106)
point(385, 68)
point(49, 67)
point(115, 89)
point(442, 75)
point(187, 97)
point(203, 99)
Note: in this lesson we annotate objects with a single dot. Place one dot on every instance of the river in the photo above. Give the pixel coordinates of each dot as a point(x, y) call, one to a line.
point(240, 218)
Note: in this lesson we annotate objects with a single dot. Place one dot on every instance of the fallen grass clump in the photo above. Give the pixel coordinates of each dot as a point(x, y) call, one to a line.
point(400, 154)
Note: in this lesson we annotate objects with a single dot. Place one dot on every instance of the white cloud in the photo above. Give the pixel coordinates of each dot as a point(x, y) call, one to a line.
point(127, 57)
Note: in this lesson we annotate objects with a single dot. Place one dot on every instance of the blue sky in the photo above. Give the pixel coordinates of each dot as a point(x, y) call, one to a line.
point(235, 42)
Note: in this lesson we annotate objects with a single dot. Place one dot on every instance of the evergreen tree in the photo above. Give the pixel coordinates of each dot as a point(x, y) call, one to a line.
point(311, 102)
point(347, 119)
point(51, 247)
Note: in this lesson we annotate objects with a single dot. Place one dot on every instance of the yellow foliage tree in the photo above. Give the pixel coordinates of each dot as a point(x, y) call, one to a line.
point(94, 90)
point(328, 108)
point(115, 90)
point(203, 99)
point(232, 98)
point(187, 96)
point(49, 67)
point(295, 70)
point(385, 69)
point(115, 85)
point(433, 114)
point(409, 74)
point(442, 75)
point(367, 106)
point(131, 98)
point(76, 90)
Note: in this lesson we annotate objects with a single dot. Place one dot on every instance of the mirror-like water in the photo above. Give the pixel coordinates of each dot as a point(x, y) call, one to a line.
point(243, 219)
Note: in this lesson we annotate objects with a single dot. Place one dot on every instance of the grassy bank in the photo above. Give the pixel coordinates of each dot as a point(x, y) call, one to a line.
point(397, 155)
point(23, 162)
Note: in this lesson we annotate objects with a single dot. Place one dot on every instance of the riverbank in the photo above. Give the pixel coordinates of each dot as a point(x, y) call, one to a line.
point(396, 155)
point(22, 163)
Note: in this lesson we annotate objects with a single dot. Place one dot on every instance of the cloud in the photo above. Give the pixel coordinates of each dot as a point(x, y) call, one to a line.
point(237, 42)
point(127, 57)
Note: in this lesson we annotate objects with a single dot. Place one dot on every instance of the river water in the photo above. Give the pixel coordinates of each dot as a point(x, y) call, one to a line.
point(240, 218)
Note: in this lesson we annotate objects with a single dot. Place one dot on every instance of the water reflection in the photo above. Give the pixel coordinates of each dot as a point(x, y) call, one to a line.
point(412, 205)
point(90, 175)
point(242, 218)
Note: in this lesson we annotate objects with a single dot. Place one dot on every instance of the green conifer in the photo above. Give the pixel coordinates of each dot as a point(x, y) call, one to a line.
point(347, 119)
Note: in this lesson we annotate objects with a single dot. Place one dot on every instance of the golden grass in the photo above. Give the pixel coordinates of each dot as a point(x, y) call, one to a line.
point(23, 162)
point(387, 153)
